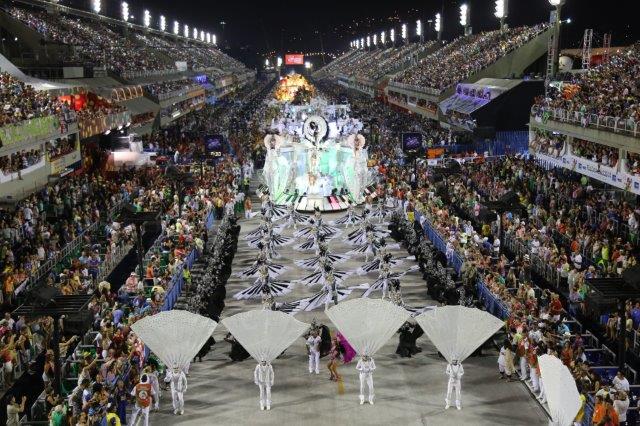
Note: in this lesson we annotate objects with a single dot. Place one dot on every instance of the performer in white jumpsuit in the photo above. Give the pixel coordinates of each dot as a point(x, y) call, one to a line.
point(313, 345)
point(365, 366)
point(152, 374)
point(455, 372)
point(178, 381)
point(263, 377)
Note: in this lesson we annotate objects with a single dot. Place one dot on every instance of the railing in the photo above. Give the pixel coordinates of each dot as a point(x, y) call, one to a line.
point(601, 122)
point(179, 92)
point(47, 266)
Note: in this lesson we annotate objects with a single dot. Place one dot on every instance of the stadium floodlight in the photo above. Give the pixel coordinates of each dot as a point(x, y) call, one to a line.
point(195, 33)
point(214, 40)
point(464, 15)
point(437, 25)
point(202, 36)
point(124, 7)
point(308, 65)
point(362, 43)
point(279, 61)
point(556, 3)
point(176, 27)
point(96, 5)
point(186, 31)
point(383, 37)
point(375, 39)
point(163, 23)
point(146, 19)
point(266, 62)
point(403, 32)
point(392, 35)
point(419, 28)
point(209, 38)
point(368, 41)
point(501, 11)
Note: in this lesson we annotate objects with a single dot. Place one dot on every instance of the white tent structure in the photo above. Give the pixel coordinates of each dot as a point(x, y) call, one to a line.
point(264, 333)
point(560, 387)
point(457, 331)
point(174, 336)
point(367, 323)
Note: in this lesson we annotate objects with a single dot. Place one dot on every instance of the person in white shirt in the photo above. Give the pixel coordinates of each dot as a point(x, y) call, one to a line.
point(455, 372)
point(366, 366)
point(313, 346)
point(620, 383)
point(178, 381)
point(263, 378)
point(621, 405)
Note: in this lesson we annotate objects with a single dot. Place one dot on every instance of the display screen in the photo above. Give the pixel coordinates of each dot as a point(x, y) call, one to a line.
point(294, 59)
point(213, 145)
point(411, 142)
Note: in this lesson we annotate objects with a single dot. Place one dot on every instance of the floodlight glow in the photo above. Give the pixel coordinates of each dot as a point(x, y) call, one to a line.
point(464, 12)
point(146, 19)
point(419, 28)
point(208, 37)
point(195, 33)
point(556, 2)
point(96, 6)
point(404, 31)
point(307, 65)
point(362, 43)
point(266, 62)
point(392, 35)
point(383, 37)
point(279, 61)
point(568, 21)
point(125, 11)
point(375, 39)
point(163, 23)
point(214, 40)
point(186, 31)
point(500, 11)
point(368, 41)
point(176, 27)
point(437, 25)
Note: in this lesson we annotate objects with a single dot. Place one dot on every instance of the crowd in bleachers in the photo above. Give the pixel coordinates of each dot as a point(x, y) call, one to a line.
point(547, 143)
point(465, 56)
point(60, 147)
point(102, 43)
point(603, 154)
point(18, 161)
point(21, 101)
point(164, 87)
point(608, 89)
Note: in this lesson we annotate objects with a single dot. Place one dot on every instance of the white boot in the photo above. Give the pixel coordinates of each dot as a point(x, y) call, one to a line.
point(361, 399)
point(371, 400)
point(261, 405)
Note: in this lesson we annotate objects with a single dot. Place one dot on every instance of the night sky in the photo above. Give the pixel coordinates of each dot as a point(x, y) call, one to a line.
point(254, 28)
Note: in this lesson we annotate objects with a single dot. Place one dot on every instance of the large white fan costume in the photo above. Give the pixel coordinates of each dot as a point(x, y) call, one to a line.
point(175, 337)
point(561, 391)
point(367, 324)
point(457, 331)
point(265, 334)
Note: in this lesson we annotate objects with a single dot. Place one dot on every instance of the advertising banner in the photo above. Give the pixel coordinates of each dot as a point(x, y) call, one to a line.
point(294, 59)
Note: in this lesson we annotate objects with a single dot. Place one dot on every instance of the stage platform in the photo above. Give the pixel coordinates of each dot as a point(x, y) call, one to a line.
point(309, 203)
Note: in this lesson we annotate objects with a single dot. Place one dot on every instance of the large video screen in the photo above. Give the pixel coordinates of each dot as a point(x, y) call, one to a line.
point(294, 59)
point(213, 145)
point(412, 142)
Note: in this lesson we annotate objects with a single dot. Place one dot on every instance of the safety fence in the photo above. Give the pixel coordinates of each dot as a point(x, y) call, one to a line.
point(626, 126)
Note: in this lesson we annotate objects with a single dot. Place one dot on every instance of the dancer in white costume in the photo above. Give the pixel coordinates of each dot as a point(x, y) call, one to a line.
point(365, 367)
point(264, 281)
point(381, 254)
point(293, 218)
point(455, 372)
point(178, 380)
point(263, 377)
point(313, 347)
point(350, 219)
point(144, 395)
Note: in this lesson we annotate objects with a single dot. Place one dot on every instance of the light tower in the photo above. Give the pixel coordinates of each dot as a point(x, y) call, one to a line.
point(392, 36)
point(437, 25)
point(383, 38)
point(464, 18)
point(404, 33)
point(554, 42)
point(501, 11)
point(124, 8)
point(419, 31)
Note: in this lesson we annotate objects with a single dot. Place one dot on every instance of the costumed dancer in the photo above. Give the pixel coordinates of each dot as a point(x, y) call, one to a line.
point(350, 219)
point(313, 348)
point(264, 283)
point(263, 257)
point(268, 302)
point(293, 218)
point(274, 211)
point(335, 354)
point(382, 257)
point(155, 384)
point(178, 380)
point(318, 227)
point(366, 367)
point(369, 247)
point(455, 372)
point(143, 394)
point(263, 377)
point(317, 263)
point(320, 276)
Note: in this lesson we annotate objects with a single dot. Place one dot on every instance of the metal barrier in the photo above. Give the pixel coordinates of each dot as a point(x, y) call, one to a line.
point(600, 122)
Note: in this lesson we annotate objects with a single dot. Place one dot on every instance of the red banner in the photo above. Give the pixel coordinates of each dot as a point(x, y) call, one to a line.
point(294, 59)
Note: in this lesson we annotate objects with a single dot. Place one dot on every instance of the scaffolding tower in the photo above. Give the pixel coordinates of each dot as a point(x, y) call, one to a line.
point(586, 48)
point(606, 48)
